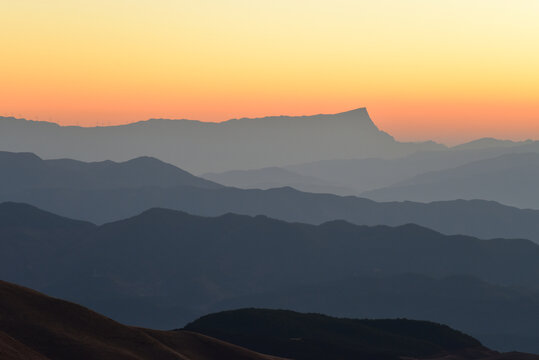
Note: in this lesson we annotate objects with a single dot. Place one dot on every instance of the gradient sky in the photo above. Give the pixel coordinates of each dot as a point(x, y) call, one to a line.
point(425, 69)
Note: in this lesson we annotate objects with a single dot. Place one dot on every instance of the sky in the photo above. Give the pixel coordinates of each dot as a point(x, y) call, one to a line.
point(450, 71)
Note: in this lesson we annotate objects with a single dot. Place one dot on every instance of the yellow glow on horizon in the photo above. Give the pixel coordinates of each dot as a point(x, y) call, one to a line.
point(423, 68)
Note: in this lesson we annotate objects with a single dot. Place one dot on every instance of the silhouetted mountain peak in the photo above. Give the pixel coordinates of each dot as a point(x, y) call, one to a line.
point(357, 114)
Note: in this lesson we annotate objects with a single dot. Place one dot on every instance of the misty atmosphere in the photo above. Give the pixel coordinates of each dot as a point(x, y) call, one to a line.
point(149, 244)
point(243, 180)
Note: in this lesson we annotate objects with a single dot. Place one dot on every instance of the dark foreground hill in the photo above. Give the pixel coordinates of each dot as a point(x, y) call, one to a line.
point(505, 318)
point(163, 268)
point(319, 337)
point(37, 327)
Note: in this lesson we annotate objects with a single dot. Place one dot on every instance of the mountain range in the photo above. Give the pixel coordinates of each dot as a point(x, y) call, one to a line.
point(201, 147)
point(163, 268)
point(366, 176)
point(315, 214)
point(509, 179)
point(108, 191)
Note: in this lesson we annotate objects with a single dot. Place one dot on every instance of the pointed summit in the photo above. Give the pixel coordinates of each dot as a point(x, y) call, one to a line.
point(359, 116)
point(360, 112)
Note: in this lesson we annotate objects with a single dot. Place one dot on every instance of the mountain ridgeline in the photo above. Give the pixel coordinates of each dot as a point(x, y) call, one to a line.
point(509, 179)
point(209, 147)
point(359, 176)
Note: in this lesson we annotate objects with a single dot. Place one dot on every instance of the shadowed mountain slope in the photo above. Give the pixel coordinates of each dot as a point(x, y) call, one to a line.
point(35, 326)
point(21, 171)
point(203, 147)
point(319, 337)
point(509, 179)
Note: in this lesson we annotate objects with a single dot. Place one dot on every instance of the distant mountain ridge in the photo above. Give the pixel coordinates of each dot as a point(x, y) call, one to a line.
point(509, 179)
point(201, 147)
point(484, 143)
point(355, 176)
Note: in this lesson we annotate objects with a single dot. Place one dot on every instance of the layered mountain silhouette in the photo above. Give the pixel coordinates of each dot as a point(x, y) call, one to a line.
point(116, 195)
point(318, 337)
point(509, 179)
point(164, 268)
point(203, 147)
point(37, 327)
point(354, 176)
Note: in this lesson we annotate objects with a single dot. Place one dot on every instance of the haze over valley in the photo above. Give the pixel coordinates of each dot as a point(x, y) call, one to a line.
point(269, 180)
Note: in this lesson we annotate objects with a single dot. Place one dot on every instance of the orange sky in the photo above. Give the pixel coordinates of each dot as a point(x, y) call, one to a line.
point(444, 70)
